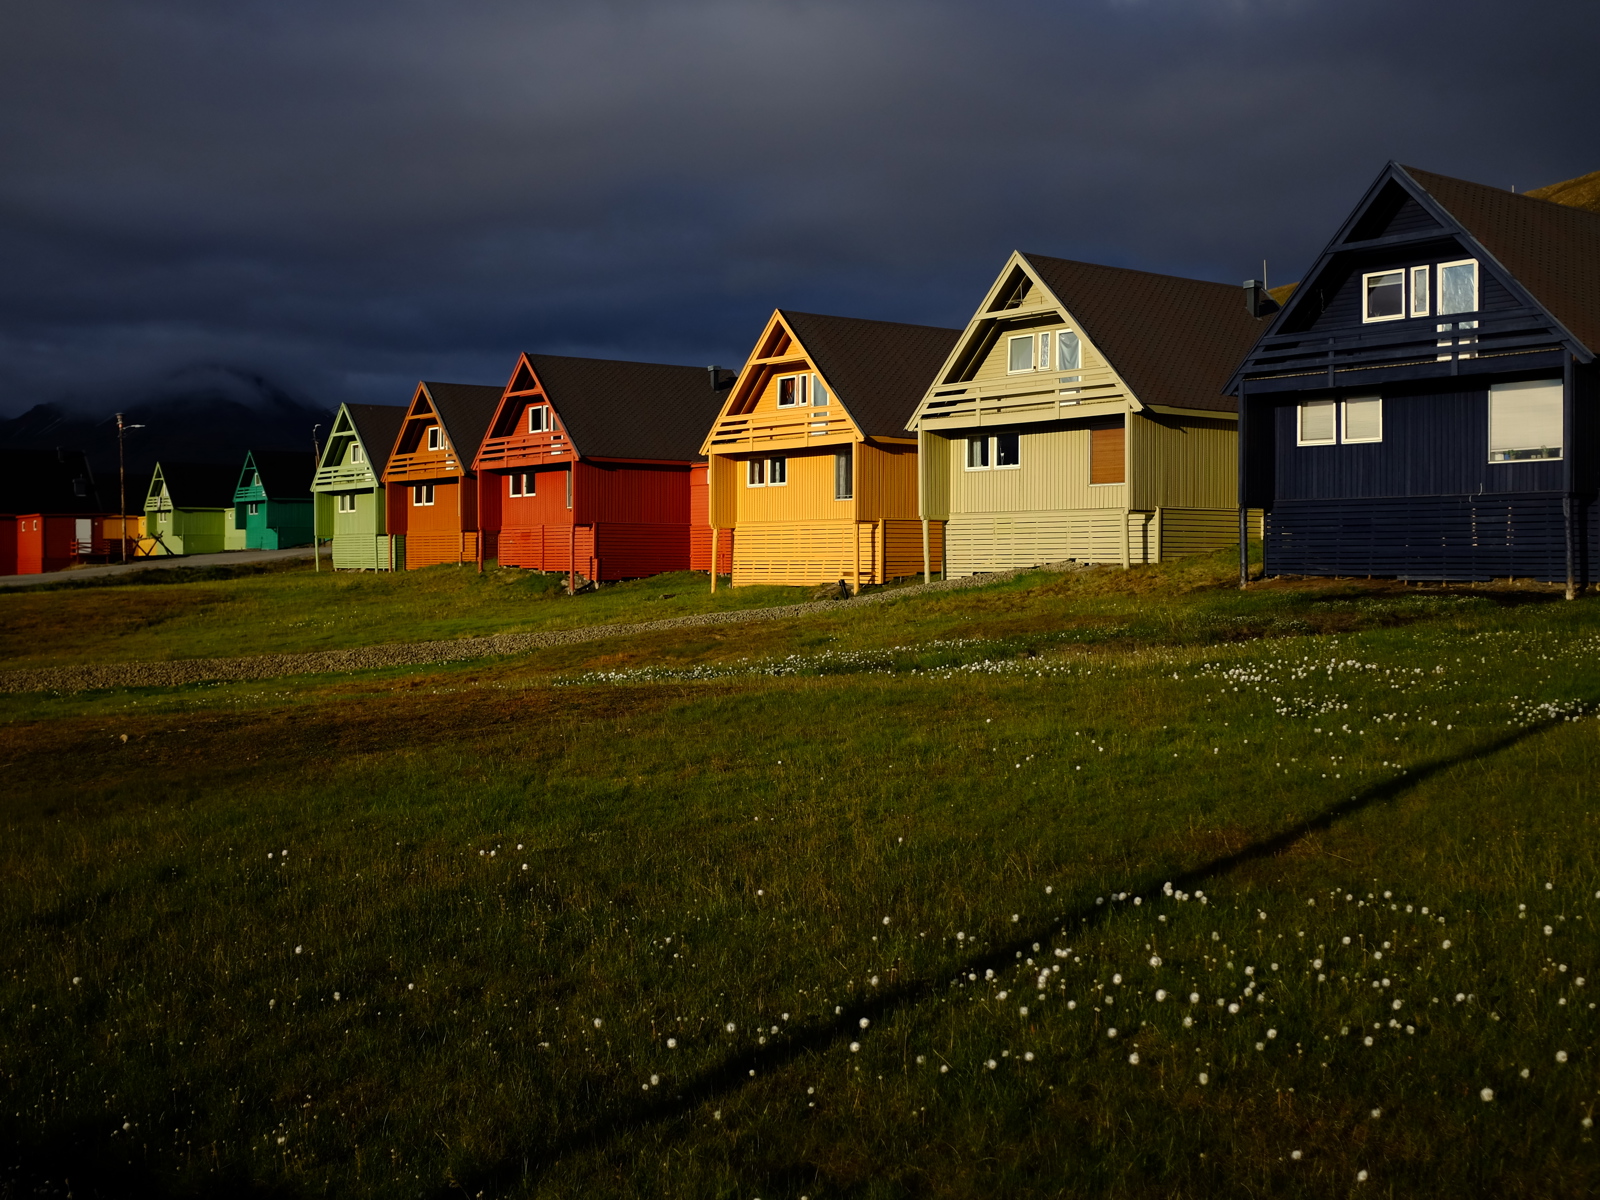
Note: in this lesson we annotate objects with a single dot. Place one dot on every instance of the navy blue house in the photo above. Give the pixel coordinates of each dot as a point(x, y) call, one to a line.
point(1425, 404)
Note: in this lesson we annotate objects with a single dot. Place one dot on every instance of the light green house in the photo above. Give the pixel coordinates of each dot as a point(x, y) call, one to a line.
point(272, 499)
point(1081, 417)
point(351, 503)
point(188, 509)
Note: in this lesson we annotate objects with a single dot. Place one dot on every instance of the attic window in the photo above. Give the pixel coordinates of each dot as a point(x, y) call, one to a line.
point(1458, 287)
point(792, 391)
point(539, 419)
point(435, 437)
point(1019, 354)
point(1384, 295)
point(357, 454)
point(1069, 351)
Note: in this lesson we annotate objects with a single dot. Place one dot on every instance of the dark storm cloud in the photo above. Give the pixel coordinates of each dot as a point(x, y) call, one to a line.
point(343, 197)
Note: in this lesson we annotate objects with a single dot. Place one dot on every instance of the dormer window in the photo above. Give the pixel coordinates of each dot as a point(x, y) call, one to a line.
point(1458, 287)
point(435, 437)
point(539, 419)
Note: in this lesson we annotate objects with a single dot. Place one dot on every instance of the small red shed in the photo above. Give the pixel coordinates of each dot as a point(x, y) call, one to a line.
point(588, 464)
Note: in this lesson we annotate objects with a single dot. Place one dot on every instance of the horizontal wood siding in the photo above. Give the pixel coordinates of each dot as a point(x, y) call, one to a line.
point(818, 552)
point(977, 542)
point(429, 548)
point(1435, 443)
point(1053, 477)
point(1201, 530)
point(902, 548)
point(1108, 455)
point(1430, 537)
point(360, 552)
point(545, 547)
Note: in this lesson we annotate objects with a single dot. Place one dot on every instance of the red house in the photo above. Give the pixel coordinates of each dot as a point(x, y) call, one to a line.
point(588, 465)
point(430, 488)
point(50, 512)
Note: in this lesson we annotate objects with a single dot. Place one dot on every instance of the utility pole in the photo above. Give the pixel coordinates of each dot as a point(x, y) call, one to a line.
point(316, 462)
point(122, 484)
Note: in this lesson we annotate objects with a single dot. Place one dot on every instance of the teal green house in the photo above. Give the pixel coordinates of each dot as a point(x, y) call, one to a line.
point(272, 500)
point(351, 502)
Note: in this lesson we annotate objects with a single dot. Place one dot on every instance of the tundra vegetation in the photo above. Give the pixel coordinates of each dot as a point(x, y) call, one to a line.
point(1091, 883)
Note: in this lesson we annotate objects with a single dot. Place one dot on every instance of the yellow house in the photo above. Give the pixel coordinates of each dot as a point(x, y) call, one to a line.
point(812, 472)
point(1081, 416)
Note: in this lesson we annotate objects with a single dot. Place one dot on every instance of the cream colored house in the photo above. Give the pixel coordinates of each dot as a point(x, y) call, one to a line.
point(1081, 416)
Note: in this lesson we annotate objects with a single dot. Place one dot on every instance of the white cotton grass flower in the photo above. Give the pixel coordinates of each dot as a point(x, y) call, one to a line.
point(1023, 1011)
point(1295, 1154)
point(1155, 960)
point(1445, 945)
point(598, 1022)
point(1027, 1056)
point(1194, 997)
point(1376, 1113)
point(865, 1022)
point(855, 1047)
point(672, 1043)
point(1361, 1176)
point(729, 1027)
point(1133, 1059)
point(1486, 1095)
point(944, 1068)
point(76, 980)
point(1204, 1078)
point(991, 1064)
point(1112, 1032)
point(1161, 995)
point(654, 1080)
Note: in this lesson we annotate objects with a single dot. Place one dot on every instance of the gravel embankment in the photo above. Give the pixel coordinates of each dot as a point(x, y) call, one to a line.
point(405, 654)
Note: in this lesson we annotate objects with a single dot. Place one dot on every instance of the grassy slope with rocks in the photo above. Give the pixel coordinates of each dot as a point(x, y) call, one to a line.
point(841, 906)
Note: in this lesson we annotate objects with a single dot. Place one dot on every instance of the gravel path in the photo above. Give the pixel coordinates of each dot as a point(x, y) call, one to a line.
point(226, 558)
point(406, 654)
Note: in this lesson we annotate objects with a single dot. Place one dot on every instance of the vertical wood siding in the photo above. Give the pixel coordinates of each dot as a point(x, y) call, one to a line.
point(1435, 443)
point(1188, 463)
point(886, 486)
point(700, 527)
point(1053, 476)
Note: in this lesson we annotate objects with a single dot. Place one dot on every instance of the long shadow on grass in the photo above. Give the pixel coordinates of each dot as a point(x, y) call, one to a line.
point(534, 1157)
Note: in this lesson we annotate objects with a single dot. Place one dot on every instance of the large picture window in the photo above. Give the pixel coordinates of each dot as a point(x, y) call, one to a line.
point(1525, 421)
point(1458, 287)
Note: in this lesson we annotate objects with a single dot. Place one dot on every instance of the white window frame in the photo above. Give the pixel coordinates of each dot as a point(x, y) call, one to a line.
point(819, 392)
point(763, 472)
point(1477, 286)
point(418, 492)
point(253, 508)
point(755, 472)
point(1033, 350)
point(539, 419)
point(435, 438)
point(1366, 291)
point(994, 452)
point(1416, 276)
point(983, 445)
point(522, 483)
point(1344, 421)
point(1300, 423)
point(357, 454)
point(801, 391)
point(1489, 418)
point(347, 502)
point(1042, 356)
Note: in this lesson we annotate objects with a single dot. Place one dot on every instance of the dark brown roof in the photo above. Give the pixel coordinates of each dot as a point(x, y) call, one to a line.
point(465, 410)
point(285, 474)
point(1552, 250)
point(47, 481)
point(199, 485)
point(880, 369)
point(378, 427)
point(614, 409)
point(1173, 341)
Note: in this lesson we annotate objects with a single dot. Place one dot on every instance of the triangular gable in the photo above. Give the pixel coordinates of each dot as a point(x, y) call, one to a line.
point(1165, 340)
point(249, 480)
point(374, 427)
point(613, 408)
point(875, 371)
point(1545, 254)
point(464, 409)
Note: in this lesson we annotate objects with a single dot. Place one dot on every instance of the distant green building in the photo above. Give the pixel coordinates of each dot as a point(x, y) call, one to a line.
point(188, 509)
point(272, 500)
point(352, 505)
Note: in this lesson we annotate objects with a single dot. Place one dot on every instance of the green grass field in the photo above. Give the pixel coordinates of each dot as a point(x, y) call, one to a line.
point(1109, 884)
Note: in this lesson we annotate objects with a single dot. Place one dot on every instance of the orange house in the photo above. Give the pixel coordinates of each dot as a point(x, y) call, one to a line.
point(588, 466)
point(812, 470)
point(430, 488)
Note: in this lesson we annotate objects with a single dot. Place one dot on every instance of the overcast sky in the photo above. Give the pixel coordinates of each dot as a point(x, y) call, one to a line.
point(345, 197)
